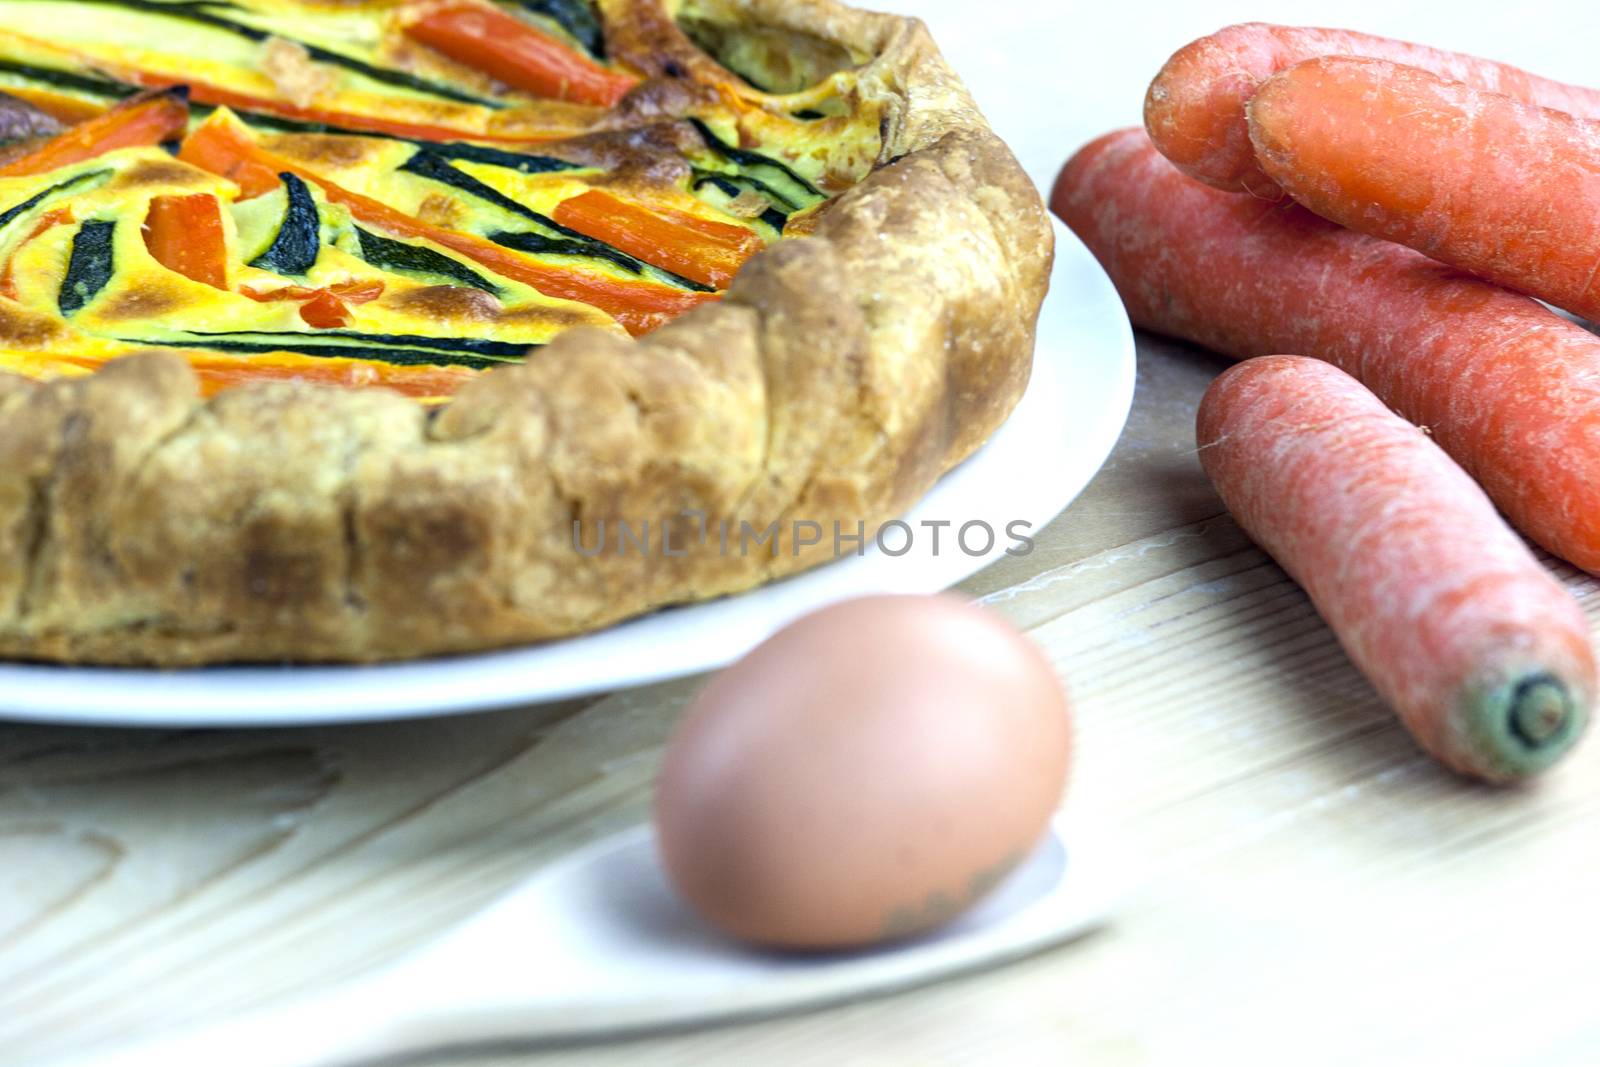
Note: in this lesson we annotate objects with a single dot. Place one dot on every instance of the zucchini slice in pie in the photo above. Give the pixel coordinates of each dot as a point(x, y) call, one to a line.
point(339, 332)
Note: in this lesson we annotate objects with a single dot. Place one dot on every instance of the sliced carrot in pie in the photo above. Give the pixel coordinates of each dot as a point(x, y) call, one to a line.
point(518, 54)
point(144, 120)
point(223, 147)
point(402, 195)
point(704, 250)
point(184, 234)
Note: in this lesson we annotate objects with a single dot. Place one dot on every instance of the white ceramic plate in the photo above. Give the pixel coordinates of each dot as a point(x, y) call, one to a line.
point(1059, 435)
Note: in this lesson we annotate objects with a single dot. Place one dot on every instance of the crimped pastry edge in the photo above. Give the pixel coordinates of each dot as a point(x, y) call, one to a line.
point(841, 376)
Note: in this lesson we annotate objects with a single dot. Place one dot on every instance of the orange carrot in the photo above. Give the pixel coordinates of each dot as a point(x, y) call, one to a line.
point(225, 148)
point(551, 127)
point(1509, 388)
point(324, 311)
point(1195, 107)
point(221, 146)
point(219, 371)
point(1506, 190)
point(146, 119)
point(1482, 654)
point(703, 250)
point(184, 234)
point(522, 56)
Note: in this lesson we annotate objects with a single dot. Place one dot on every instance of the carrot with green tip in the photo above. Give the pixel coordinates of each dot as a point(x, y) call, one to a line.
point(1481, 653)
point(1478, 180)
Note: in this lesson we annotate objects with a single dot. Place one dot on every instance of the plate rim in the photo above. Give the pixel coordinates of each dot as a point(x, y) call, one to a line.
point(71, 695)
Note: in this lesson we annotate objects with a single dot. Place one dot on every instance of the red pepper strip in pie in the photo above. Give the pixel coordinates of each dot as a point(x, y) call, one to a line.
point(349, 292)
point(220, 146)
point(184, 234)
point(329, 309)
point(522, 56)
point(146, 119)
point(323, 309)
point(357, 292)
point(704, 250)
point(59, 217)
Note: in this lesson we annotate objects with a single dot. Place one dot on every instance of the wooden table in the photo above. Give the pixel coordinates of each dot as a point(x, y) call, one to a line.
point(1305, 878)
point(1309, 887)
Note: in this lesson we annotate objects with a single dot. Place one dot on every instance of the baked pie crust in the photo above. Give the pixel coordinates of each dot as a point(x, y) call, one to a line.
point(842, 373)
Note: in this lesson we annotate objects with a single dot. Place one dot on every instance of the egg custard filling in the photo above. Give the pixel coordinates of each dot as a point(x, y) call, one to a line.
point(403, 195)
point(325, 324)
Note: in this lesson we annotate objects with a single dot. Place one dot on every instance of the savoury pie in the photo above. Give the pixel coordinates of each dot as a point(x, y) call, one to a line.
point(361, 329)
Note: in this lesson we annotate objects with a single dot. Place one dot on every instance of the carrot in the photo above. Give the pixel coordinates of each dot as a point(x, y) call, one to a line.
point(222, 146)
point(226, 148)
point(552, 127)
point(184, 234)
point(146, 119)
point(1195, 107)
point(703, 250)
point(518, 54)
point(1481, 653)
point(219, 371)
point(1506, 190)
point(1507, 387)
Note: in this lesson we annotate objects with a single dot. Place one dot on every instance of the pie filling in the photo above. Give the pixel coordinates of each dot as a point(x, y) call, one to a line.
point(405, 194)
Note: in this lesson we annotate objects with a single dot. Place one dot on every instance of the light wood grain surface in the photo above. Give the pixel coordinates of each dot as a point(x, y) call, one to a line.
point(1305, 878)
point(1308, 887)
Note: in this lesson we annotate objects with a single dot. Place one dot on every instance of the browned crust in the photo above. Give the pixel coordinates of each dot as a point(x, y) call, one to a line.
point(844, 373)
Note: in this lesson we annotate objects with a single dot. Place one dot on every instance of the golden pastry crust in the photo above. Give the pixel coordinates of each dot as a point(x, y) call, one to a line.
point(842, 375)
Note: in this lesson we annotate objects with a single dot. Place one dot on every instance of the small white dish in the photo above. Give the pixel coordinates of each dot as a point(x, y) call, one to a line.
point(1055, 441)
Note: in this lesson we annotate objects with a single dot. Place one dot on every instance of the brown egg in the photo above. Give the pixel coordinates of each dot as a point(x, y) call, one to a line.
point(867, 773)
